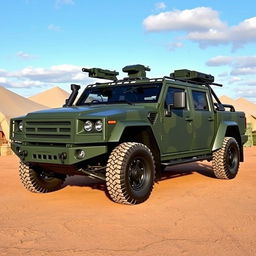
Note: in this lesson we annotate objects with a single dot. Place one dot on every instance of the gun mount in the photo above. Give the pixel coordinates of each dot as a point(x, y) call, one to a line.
point(136, 72)
point(192, 76)
point(101, 73)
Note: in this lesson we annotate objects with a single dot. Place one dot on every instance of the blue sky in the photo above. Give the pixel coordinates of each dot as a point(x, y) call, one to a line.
point(44, 43)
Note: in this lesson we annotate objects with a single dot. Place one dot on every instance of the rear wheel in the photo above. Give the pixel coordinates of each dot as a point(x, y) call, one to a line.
point(130, 173)
point(226, 160)
point(39, 181)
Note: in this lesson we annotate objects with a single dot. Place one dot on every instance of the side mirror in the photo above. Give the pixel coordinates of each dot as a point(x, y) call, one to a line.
point(179, 100)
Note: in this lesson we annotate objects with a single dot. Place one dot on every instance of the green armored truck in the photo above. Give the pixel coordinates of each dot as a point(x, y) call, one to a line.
point(125, 132)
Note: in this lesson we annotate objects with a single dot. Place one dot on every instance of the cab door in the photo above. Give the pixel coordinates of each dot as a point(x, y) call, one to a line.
point(203, 120)
point(176, 128)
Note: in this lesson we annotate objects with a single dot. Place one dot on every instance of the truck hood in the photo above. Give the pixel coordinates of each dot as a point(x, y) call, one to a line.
point(93, 111)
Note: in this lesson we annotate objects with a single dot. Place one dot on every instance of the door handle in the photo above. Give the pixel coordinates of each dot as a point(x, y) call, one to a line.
point(210, 119)
point(189, 119)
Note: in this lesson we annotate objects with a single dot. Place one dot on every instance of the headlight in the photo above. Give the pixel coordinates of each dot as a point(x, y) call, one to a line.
point(20, 126)
point(98, 126)
point(88, 125)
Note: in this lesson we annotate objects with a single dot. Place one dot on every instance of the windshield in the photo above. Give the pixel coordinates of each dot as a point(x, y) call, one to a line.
point(135, 93)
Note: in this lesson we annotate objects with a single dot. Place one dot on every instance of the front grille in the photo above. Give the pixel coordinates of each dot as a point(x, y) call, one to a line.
point(48, 130)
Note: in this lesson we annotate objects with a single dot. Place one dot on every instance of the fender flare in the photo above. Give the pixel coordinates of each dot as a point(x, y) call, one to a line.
point(117, 132)
point(220, 135)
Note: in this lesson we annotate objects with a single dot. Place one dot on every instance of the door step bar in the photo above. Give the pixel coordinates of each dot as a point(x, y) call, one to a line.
point(188, 160)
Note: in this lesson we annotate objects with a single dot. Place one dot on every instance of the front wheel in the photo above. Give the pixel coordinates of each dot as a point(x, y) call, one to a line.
point(130, 173)
point(226, 160)
point(39, 181)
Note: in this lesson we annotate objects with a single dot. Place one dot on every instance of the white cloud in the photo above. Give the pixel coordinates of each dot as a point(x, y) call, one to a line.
point(200, 18)
point(234, 79)
point(240, 65)
point(242, 74)
point(247, 89)
point(245, 61)
point(220, 61)
point(12, 83)
point(237, 61)
point(34, 77)
point(53, 27)
point(24, 55)
point(247, 92)
point(243, 71)
point(238, 35)
point(2, 72)
point(250, 83)
point(3, 80)
point(160, 6)
point(204, 26)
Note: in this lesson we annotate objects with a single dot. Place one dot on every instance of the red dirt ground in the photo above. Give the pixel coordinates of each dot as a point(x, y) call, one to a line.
point(189, 213)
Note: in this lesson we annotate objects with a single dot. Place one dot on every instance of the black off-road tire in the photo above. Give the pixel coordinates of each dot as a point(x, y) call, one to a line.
point(130, 173)
point(226, 160)
point(37, 181)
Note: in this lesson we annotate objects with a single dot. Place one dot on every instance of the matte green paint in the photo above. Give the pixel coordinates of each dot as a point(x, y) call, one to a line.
point(186, 133)
point(221, 133)
point(52, 153)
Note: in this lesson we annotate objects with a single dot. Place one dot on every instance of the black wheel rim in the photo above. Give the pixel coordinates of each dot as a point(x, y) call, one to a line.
point(137, 173)
point(232, 159)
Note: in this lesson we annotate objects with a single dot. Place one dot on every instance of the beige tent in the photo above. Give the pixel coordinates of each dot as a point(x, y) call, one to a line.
point(244, 105)
point(13, 105)
point(53, 98)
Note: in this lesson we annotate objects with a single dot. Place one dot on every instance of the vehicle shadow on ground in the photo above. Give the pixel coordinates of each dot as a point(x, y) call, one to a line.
point(169, 173)
point(84, 181)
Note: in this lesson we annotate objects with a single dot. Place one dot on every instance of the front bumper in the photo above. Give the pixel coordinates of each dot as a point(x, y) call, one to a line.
point(56, 155)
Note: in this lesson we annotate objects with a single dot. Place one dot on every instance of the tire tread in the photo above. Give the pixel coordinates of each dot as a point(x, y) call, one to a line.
point(115, 177)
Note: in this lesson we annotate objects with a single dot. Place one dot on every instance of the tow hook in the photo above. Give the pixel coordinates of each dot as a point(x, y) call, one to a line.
point(62, 157)
point(23, 154)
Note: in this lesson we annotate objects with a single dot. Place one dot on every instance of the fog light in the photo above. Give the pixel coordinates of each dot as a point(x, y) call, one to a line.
point(80, 154)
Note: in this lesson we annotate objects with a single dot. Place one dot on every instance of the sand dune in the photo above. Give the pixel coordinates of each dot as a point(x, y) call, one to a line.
point(13, 105)
point(240, 104)
point(53, 98)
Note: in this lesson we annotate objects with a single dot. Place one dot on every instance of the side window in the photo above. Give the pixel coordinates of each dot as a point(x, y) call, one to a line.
point(170, 95)
point(200, 101)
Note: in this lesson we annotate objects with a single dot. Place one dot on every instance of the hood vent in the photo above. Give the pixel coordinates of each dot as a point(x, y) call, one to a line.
point(152, 117)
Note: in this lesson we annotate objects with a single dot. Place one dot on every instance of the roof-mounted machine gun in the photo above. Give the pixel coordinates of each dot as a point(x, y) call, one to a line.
point(101, 73)
point(192, 77)
point(136, 72)
point(196, 77)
